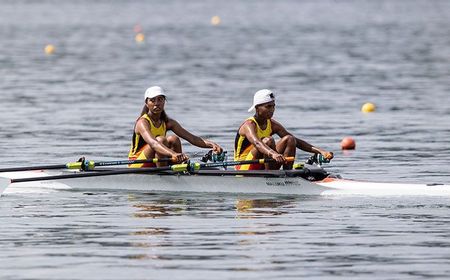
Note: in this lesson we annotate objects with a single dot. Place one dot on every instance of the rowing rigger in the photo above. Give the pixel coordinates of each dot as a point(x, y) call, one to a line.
point(307, 180)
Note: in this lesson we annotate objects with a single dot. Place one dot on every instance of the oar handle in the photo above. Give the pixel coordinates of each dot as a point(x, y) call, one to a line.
point(267, 160)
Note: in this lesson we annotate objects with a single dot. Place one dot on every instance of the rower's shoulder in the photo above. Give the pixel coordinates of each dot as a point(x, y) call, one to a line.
point(248, 122)
point(273, 121)
point(143, 119)
point(276, 125)
point(171, 123)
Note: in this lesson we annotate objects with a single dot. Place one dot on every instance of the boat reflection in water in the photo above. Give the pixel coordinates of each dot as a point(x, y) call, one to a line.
point(178, 227)
point(255, 208)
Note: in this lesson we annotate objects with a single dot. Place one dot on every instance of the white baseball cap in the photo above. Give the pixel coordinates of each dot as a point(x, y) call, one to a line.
point(154, 91)
point(262, 96)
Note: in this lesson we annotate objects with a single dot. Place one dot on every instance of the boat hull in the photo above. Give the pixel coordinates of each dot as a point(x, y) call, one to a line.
point(221, 184)
point(181, 183)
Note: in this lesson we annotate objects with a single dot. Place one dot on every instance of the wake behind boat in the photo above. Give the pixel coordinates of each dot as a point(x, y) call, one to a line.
point(309, 180)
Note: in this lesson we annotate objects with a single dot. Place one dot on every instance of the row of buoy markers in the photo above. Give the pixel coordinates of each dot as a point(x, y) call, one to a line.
point(139, 35)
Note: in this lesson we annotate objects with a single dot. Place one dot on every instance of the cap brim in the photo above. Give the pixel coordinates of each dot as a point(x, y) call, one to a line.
point(156, 96)
point(251, 108)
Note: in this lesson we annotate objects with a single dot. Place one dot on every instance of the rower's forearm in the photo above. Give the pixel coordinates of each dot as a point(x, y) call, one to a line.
point(264, 149)
point(208, 144)
point(201, 143)
point(305, 146)
point(161, 149)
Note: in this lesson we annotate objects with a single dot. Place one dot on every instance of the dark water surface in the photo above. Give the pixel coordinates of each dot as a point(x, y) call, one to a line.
point(324, 59)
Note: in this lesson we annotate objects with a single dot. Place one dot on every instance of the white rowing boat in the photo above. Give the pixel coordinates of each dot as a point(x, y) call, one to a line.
point(297, 182)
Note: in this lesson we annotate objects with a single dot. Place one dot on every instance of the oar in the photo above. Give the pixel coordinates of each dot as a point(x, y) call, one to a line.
point(85, 164)
point(176, 168)
point(197, 166)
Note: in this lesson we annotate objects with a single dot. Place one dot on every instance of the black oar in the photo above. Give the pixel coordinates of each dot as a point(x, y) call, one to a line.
point(190, 167)
point(85, 164)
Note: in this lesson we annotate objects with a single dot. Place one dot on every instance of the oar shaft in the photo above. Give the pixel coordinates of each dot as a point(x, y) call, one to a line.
point(242, 162)
point(88, 164)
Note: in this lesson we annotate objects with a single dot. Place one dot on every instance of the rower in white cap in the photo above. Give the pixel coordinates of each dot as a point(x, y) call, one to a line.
point(254, 138)
point(150, 139)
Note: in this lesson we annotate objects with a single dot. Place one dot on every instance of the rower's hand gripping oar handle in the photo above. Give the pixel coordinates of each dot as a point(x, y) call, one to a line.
point(317, 159)
point(211, 156)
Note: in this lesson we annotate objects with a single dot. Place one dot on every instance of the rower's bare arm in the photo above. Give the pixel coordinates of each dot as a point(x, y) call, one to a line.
point(214, 146)
point(301, 144)
point(143, 128)
point(191, 138)
point(278, 129)
point(305, 146)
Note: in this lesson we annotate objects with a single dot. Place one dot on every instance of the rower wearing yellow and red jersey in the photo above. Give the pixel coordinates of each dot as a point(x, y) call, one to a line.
point(150, 139)
point(243, 147)
point(254, 137)
point(138, 143)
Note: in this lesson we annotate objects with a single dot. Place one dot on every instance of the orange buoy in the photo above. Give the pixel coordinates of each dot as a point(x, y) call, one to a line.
point(348, 143)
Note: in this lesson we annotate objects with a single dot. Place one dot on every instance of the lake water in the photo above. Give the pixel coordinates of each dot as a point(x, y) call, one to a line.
point(323, 59)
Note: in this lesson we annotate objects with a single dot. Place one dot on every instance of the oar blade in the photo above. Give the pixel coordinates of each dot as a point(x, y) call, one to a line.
point(27, 168)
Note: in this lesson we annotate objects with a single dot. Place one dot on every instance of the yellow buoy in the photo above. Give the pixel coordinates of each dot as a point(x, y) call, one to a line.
point(49, 49)
point(139, 37)
point(215, 20)
point(368, 107)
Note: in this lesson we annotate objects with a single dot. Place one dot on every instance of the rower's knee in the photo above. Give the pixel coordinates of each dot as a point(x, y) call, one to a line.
point(173, 139)
point(163, 140)
point(290, 140)
point(269, 141)
point(174, 143)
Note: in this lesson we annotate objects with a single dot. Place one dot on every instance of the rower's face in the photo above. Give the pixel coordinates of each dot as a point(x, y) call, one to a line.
point(156, 104)
point(266, 110)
